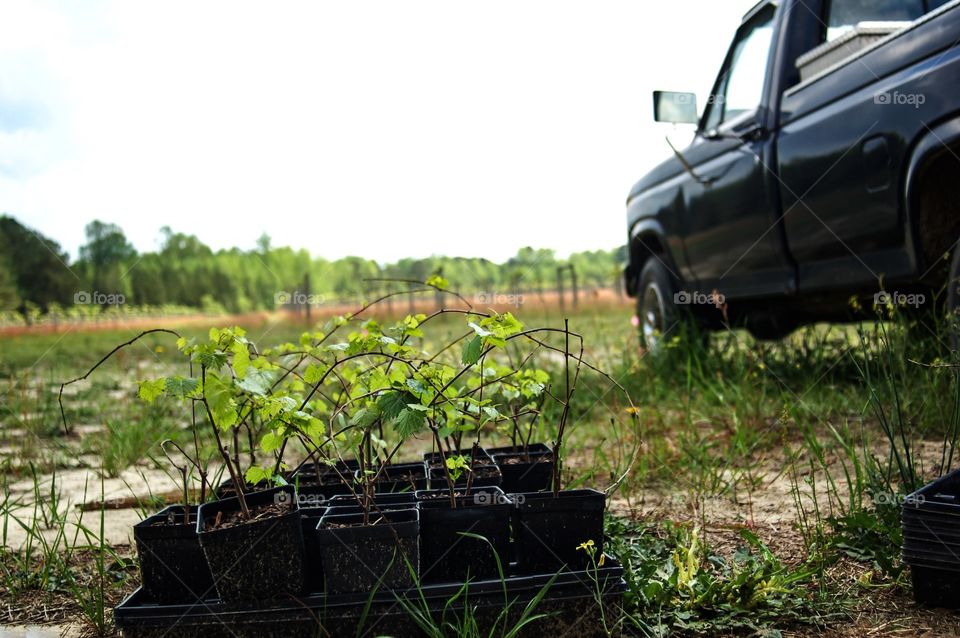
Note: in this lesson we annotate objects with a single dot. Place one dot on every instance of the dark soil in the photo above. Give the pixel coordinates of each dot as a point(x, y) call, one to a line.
point(430, 497)
point(522, 458)
point(236, 518)
point(406, 476)
point(374, 520)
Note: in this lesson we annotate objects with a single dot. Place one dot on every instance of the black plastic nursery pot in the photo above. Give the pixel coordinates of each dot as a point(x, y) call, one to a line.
point(932, 539)
point(937, 586)
point(380, 498)
point(329, 482)
point(356, 509)
point(434, 459)
point(571, 606)
point(359, 557)
point(172, 566)
point(939, 500)
point(256, 559)
point(309, 518)
point(486, 475)
point(403, 477)
point(449, 556)
point(389, 501)
point(347, 468)
point(931, 546)
point(226, 489)
point(527, 469)
point(549, 530)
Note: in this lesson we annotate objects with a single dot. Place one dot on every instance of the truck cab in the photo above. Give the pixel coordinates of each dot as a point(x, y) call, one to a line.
point(824, 167)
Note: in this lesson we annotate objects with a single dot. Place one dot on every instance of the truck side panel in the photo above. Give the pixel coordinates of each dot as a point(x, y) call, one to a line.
point(843, 149)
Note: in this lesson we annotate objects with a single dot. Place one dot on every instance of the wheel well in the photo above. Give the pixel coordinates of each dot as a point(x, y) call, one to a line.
point(642, 248)
point(938, 221)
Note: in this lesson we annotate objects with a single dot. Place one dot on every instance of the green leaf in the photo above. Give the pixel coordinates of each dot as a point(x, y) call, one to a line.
point(416, 385)
point(436, 281)
point(365, 417)
point(150, 390)
point(409, 422)
point(209, 358)
point(274, 406)
point(480, 331)
point(271, 442)
point(314, 373)
point(241, 358)
point(491, 412)
point(391, 404)
point(257, 475)
point(456, 466)
point(256, 382)
point(472, 351)
point(219, 394)
point(181, 387)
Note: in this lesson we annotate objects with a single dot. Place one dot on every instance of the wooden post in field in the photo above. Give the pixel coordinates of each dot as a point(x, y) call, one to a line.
point(573, 285)
point(306, 296)
point(560, 287)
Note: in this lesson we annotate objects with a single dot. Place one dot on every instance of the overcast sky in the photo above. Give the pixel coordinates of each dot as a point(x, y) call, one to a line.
point(375, 128)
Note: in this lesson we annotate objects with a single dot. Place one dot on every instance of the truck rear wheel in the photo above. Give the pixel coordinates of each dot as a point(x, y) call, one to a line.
point(953, 302)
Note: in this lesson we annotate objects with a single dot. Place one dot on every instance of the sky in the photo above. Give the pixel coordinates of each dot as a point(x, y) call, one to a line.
point(376, 128)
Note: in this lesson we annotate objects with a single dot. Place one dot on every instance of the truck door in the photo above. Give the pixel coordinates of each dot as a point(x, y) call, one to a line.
point(732, 233)
point(838, 157)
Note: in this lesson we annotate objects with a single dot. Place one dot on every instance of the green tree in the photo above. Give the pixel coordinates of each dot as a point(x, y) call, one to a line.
point(106, 256)
point(9, 299)
point(37, 265)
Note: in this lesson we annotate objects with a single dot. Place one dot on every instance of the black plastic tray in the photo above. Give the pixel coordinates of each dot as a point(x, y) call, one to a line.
point(942, 560)
point(931, 542)
point(928, 500)
point(919, 517)
point(571, 605)
point(936, 587)
point(930, 519)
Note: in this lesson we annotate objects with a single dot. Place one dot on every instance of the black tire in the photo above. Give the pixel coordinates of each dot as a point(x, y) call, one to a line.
point(660, 315)
point(953, 302)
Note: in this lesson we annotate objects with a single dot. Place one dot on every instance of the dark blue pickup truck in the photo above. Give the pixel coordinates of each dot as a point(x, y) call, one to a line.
point(825, 167)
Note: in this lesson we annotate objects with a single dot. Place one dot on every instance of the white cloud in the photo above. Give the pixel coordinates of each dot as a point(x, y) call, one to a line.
point(378, 128)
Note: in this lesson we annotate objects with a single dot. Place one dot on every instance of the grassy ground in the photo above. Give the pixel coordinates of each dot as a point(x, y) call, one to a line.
point(764, 499)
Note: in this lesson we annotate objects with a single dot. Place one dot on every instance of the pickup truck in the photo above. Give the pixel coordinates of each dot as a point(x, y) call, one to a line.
point(824, 174)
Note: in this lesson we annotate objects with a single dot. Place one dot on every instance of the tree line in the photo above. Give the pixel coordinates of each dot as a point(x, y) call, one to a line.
point(37, 275)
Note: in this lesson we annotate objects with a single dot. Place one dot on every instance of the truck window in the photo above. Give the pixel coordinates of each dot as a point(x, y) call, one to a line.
point(844, 15)
point(741, 83)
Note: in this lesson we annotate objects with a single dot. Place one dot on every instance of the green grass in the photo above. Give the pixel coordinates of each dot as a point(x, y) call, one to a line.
point(835, 413)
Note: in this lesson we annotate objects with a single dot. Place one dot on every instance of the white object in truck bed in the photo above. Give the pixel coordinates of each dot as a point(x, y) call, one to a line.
point(847, 44)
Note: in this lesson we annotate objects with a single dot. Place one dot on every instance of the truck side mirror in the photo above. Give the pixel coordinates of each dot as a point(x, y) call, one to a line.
point(675, 108)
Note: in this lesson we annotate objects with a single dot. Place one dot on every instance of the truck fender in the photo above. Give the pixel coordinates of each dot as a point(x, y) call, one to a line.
point(647, 238)
point(930, 147)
